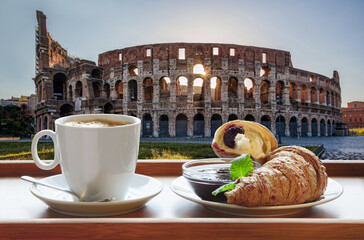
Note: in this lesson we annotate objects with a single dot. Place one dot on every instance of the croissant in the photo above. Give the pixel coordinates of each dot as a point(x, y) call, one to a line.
point(292, 175)
point(239, 137)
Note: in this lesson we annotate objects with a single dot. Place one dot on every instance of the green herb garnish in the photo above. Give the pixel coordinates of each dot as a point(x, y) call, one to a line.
point(240, 167)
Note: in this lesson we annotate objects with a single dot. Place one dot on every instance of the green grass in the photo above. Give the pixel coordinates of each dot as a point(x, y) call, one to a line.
point(21, 151)
point(155, 150)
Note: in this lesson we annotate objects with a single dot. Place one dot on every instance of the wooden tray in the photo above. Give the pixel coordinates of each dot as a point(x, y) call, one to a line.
point(169, 216)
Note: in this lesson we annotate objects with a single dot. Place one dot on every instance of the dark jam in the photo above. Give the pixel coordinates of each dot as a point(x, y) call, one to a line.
point(230, 134)
point(207, 178)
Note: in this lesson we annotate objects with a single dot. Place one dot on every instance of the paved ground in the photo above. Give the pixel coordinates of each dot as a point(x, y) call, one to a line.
point(346, 148)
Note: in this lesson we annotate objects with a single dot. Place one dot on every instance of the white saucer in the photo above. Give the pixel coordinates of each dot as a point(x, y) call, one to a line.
point(142, 189)
point(181, 187)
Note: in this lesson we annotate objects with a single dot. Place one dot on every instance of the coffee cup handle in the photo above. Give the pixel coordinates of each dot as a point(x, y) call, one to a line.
point(35, 156)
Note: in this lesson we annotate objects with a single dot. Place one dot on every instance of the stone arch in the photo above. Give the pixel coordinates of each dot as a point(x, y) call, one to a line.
point(119, 89)
point(304, 127)
point(108, 108)
point(293, 94)
point(322, 96)
point(332, 99)
point(181, 125)
point(147, 125)
point(198, 89)
point(328, 98)
point(182, 86)
point(313, 95)
point(249, 88)
point(216, 122)
point(281, 125)
point(249, 117)
point(148, 89)
point(164, 88)
point(96, 73)
point(264, 92)
point(198, 125)
point(97, 89)
point(265, 71)
point(198, 69)
point(322, 128)
point(293, 127)
point(65, 110)
point(59, 86)
point(78, 90)
point(133, 71)
point(304, 93)
point(215, 85)
point(279, 92)
point(232, 117)
point(164, 126)
point(106, 90)
point(314, 127)
point(133, 90)
point(266, 121)
point(232, 88)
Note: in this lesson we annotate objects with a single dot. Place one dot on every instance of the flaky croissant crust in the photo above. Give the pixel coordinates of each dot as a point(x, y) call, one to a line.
point(292, 175)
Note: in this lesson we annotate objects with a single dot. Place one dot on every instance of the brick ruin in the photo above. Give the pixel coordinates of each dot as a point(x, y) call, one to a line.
point(186, 89)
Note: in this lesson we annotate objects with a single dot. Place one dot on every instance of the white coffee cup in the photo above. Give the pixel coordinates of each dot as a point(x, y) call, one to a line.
point(98, 163)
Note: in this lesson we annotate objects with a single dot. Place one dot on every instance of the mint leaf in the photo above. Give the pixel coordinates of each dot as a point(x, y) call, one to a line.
point(241, 166)
point(224, 188)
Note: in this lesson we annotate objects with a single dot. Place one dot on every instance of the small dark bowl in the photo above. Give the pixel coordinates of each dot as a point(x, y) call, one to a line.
point(205, 176)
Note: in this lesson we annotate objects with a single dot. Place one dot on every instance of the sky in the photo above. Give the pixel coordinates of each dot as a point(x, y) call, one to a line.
point(321, 35)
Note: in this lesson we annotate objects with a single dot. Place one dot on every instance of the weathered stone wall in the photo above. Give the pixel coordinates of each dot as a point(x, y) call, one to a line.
point(153, 83)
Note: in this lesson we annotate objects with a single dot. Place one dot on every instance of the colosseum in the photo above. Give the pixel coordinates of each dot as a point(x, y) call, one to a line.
point(186, 89)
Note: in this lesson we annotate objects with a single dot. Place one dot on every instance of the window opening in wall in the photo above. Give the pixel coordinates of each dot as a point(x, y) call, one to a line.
point(120, 56)
point(232, 89)
point(119, 89)
point(312, 78)
point(215, 85)
point(264, 58)
point(198, 69)
point(96, 73)
point(264, 92)
point(148, 52)
point(181, 53)
point(215, 51)
point(248, 88)
point(198, 89)
point(265, 71)
point(293, 92)
point(182, 83)
point(133, 90)
point(148, 89)
point(232, 52)
point(133, 71)
point(279, 92)
point(164, 83)
point(213, 82)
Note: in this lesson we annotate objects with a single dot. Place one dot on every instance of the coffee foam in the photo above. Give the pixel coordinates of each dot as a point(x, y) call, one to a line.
point(95, 123)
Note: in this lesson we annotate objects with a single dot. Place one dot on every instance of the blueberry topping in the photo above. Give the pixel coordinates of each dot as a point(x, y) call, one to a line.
point(230, 134)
